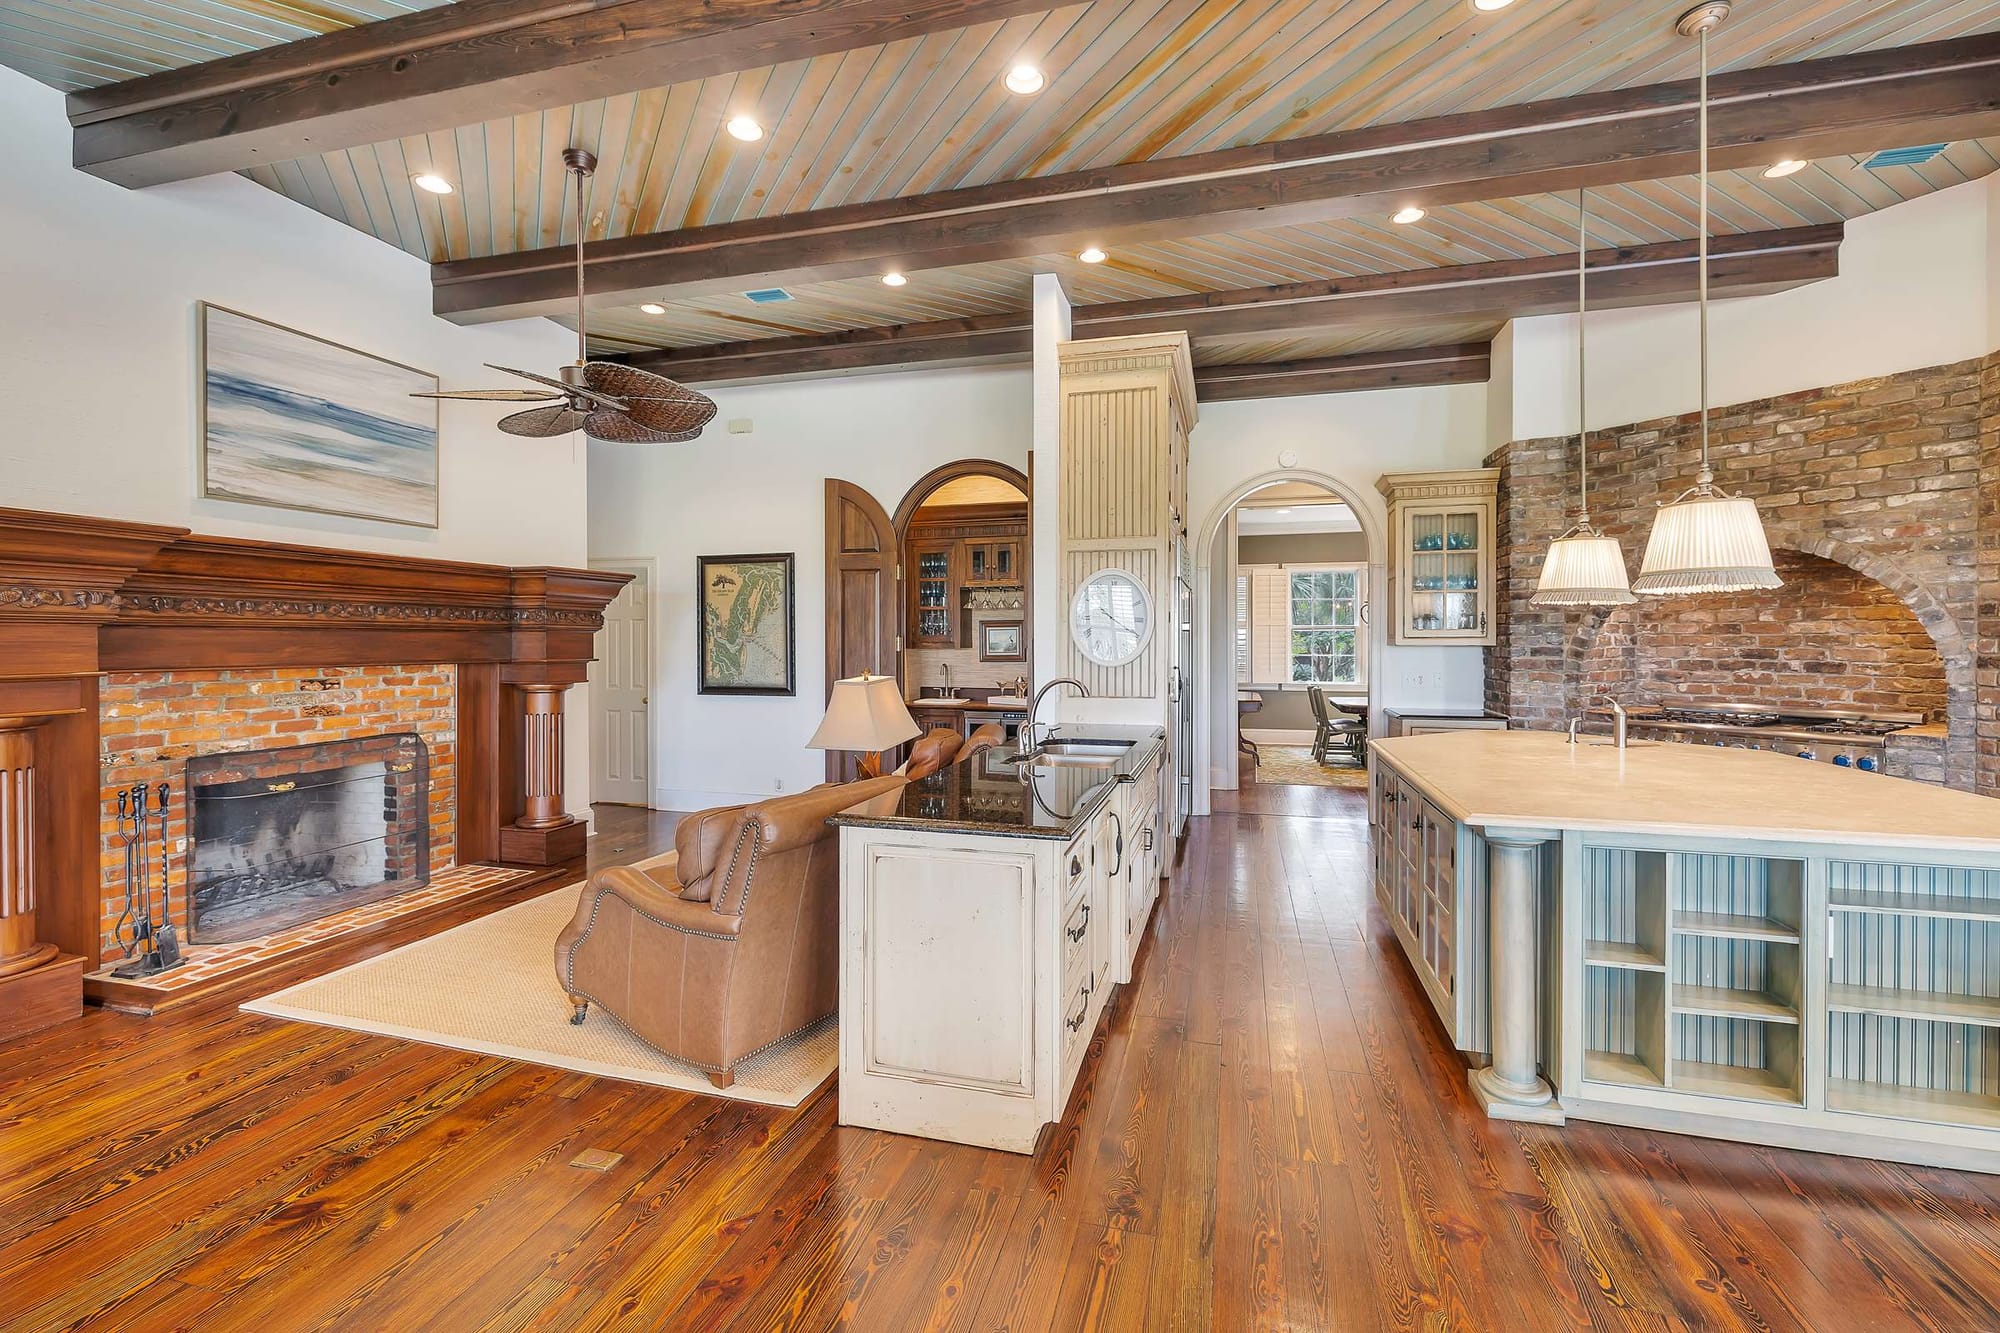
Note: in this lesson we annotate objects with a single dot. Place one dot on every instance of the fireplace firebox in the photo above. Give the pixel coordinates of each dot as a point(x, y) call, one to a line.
point(282, 836)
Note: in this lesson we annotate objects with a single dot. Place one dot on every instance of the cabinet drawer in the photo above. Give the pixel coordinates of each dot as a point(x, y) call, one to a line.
point(1076, 1011)
point(1076, 943)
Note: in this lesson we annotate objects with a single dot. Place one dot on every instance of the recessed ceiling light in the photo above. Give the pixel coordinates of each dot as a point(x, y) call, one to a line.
point(653, 309)
point(434, 183)
point(1408, 215)
point(893, 279)
point(1025, 79)
point(1093, 255)
point(1790, 166)
point(746, 129)
point(1489, 6)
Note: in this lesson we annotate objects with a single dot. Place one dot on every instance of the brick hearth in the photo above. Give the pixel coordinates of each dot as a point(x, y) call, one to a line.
point(1896, 480)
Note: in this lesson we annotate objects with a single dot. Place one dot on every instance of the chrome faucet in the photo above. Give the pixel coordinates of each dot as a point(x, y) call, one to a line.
point(1617, 721)
point(1027, 737)
point(949, 693)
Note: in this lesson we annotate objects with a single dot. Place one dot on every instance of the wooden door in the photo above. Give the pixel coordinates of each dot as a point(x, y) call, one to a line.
point(861, 559)
point(620, 682)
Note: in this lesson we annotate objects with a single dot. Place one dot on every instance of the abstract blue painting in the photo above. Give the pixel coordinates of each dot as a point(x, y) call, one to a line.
point(297, 422)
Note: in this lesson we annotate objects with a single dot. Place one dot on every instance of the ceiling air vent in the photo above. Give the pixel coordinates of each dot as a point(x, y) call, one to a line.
point(769, 295)
point(1902, 157)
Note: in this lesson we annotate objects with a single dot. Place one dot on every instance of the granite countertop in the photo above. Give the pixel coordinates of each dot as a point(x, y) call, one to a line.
point(1536, 780)
point(987, 796)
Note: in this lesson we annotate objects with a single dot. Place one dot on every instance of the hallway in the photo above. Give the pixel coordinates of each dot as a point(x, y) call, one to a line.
point(1270, 1132)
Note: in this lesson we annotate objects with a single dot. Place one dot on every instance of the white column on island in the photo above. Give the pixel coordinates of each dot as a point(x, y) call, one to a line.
point(1052, 329)
point(1511, 1088)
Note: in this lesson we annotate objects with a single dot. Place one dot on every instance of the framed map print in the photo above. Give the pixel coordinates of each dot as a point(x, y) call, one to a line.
point(746, 635)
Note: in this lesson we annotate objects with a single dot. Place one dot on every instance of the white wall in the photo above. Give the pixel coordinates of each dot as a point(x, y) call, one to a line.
point(1352, 438)
point(765, 492)
point(98, 371)
point(1916, 288)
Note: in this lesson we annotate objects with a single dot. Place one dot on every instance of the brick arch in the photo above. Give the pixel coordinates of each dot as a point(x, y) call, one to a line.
point(1953, 646)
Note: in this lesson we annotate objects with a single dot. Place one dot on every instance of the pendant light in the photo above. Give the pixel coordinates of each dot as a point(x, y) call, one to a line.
point(1706, 540)
point(1584, 567)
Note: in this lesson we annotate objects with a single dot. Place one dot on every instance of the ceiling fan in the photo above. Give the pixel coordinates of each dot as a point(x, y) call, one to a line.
point(606, 401)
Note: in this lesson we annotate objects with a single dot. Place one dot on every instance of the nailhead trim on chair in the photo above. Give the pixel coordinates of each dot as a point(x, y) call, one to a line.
point(754, 831)
point(569, 961)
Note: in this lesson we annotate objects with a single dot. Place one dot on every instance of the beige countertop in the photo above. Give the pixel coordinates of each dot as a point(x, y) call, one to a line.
point(1537, 780)
point(968, 705)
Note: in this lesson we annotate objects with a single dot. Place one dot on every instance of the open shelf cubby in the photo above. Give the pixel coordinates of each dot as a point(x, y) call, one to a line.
point(1913, 1069)
point(1626, 908)
point(1739, 897)
point(1913, 992)
point(1625, 1026)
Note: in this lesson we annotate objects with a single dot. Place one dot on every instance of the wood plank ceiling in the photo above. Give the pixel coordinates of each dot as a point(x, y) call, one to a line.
point(1128, 80)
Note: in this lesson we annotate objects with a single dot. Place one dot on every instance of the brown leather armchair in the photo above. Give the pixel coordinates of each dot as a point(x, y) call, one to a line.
point(933, 750)
point(729, 943)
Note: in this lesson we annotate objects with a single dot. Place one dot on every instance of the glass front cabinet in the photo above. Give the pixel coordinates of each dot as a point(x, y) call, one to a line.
point(1441, 555)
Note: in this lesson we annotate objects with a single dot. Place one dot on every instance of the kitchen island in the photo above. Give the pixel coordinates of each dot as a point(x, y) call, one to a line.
point(1712, 941)
point(984, 919)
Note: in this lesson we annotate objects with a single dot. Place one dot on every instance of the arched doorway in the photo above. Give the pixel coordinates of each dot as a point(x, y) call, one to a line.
point(1216, 704)
point(867, 606)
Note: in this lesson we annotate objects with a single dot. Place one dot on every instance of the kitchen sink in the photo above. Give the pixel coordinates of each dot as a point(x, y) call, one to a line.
point(1076, 753)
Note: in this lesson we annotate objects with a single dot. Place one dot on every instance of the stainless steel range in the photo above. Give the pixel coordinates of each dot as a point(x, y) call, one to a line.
point(1847, 737)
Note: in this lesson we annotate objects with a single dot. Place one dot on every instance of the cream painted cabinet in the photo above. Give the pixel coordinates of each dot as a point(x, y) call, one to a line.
point(1441, 551)
point(1127, 406)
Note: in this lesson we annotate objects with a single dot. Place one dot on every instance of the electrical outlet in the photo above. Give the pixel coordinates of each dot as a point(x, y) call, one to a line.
point(1414, 680)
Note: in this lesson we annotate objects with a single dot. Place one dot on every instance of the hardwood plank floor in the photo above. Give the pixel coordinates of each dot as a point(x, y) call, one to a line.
point(1270, 1132)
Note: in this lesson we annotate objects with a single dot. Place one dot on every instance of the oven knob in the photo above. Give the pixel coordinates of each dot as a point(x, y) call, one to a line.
point(1807, 754)
point(1866, 763)
point(1844, 760)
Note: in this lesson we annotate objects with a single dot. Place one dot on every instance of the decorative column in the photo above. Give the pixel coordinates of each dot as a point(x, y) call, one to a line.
point(1510, 1088)
point(19, 950)
point(546, 832)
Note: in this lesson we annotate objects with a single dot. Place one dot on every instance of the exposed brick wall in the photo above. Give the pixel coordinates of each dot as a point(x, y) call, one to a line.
point(1987, 709)
point(1883, 476)
point(1830, 637)
point(152, 722)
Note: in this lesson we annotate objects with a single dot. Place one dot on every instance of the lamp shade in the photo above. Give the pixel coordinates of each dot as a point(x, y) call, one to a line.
point(1584, 569)
point(1707, 542)
point(866, 713)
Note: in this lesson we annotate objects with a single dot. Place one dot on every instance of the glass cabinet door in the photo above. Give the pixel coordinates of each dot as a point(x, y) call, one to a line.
point(932, 615)
point(1447, 559)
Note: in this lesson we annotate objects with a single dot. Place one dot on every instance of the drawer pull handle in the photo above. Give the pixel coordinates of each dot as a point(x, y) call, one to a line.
point(1074, 1023)
point(1075, 866)
point(1082, 928)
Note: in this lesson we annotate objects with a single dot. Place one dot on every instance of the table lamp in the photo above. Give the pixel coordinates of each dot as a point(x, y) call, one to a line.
point(867, 714)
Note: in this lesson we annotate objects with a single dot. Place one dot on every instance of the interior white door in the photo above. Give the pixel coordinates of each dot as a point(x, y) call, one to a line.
point(620, 680)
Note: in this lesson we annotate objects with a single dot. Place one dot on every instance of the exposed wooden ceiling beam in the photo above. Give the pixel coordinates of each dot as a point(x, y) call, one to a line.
point(461, 64)
point(1938, 91)
point(1457, 363)
point(1745, 265)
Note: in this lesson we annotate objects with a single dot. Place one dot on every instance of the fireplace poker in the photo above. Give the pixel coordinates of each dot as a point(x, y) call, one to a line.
point(125, 931)
point(166, 941)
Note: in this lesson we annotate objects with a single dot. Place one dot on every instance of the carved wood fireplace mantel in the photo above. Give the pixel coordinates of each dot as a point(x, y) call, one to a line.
point(81, 596)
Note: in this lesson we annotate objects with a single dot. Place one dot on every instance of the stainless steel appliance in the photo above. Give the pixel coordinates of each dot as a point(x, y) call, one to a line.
point(1851, 738)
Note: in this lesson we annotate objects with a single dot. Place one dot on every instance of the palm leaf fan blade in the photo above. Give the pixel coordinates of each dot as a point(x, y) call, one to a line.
point(541, 422)
point(656, 403)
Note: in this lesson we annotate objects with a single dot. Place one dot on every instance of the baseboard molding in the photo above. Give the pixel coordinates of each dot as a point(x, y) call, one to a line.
point(1275, 736)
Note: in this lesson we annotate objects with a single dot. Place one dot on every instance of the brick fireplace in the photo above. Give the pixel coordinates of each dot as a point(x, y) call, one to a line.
point(153, 723)
point(129, 649)
point(1880, 498)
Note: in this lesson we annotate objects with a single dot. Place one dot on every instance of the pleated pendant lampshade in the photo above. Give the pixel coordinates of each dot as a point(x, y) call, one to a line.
point(1706, 540)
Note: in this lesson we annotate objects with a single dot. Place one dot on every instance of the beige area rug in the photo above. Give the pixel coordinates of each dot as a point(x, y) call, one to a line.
point(1294, 766)
point(490, 986)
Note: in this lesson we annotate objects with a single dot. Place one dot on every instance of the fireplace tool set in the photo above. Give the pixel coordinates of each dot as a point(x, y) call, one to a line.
point(153, 946)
